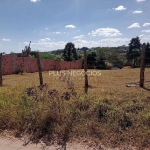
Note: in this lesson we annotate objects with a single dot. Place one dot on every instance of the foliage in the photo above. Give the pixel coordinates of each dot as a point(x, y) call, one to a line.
point(134, 50)
point(91, 59)
point(94, 61)
point(80, 55)
point(101, 63)
point(147, 54)
point(33, 54)
point(59, 58)
point(47, 56)
point(84, 48)
point(70, 53)
point(118, 60)
point(57, 52)
point(114, 56)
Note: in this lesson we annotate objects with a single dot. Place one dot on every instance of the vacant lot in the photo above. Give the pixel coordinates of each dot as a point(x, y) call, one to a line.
point(110, 82)
point(110, 112)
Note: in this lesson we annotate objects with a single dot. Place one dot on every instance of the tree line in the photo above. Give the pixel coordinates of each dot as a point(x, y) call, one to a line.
point(100, 57)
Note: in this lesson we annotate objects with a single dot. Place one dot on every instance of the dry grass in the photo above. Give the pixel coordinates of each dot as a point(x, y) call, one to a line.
point(109, 112)
point(110, 83)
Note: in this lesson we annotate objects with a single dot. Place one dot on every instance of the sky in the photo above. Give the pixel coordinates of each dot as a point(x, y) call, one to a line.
point(50, 24)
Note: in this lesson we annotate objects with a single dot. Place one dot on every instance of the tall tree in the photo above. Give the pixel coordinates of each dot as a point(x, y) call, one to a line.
point(134, 50)
point(91, 59)
point(147, 54)
point(70, 52)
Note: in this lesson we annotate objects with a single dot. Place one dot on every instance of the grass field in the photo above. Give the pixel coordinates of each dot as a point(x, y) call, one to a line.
point(110, 83)
point(109, 112)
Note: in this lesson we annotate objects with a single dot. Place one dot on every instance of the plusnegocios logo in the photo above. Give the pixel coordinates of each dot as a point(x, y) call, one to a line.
point(75, 73)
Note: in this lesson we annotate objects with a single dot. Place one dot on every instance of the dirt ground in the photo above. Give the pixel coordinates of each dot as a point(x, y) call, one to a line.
point(16, 144)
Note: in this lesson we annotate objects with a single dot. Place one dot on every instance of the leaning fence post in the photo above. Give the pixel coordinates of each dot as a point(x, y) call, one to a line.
point(85, 71)
point(142, 66)
point(39, 68)
point(0, 69)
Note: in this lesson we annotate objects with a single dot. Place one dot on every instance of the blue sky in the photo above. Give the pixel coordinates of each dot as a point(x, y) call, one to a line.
point(50, 24)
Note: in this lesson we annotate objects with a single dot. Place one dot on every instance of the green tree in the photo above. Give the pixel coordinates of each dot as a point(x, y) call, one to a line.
point(134, 50)
point(33, 54)
point(147, 54)
point(70, 53)
point(91, 59)
point(117, 59)
point(101, 63)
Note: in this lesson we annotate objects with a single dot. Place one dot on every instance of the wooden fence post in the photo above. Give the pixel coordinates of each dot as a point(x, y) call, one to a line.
point(85, 71)
point(39, 68)
point(142, 66)
point(0, 69)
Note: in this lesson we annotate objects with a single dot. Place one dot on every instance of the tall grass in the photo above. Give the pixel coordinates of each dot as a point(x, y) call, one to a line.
point(110, 116)
point(114, 120)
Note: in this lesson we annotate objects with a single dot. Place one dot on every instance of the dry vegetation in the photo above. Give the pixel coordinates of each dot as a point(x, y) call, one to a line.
point(110, 112)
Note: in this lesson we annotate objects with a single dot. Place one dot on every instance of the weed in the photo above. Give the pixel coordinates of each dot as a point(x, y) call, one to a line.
point(60, 110)
point(125, 122)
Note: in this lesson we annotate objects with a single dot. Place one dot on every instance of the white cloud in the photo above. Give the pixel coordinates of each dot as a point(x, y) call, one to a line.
point(34, 1)
point(6, 40)
point(140, 0)
point(65, 32)
point(70, 26)
point(147, 31)
point(146, 24)
point(57, 32)
point(107, 32)
point(111, 42)
point(144, 38)
point(120, 8)
point(115, 41)
point(79, 37)
point(54, 32)
point(137, 12)
point(134, 25)
point(45, 40)
point(46, 28)
point(26, 43)
point(48, 44)
point(141, 36)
